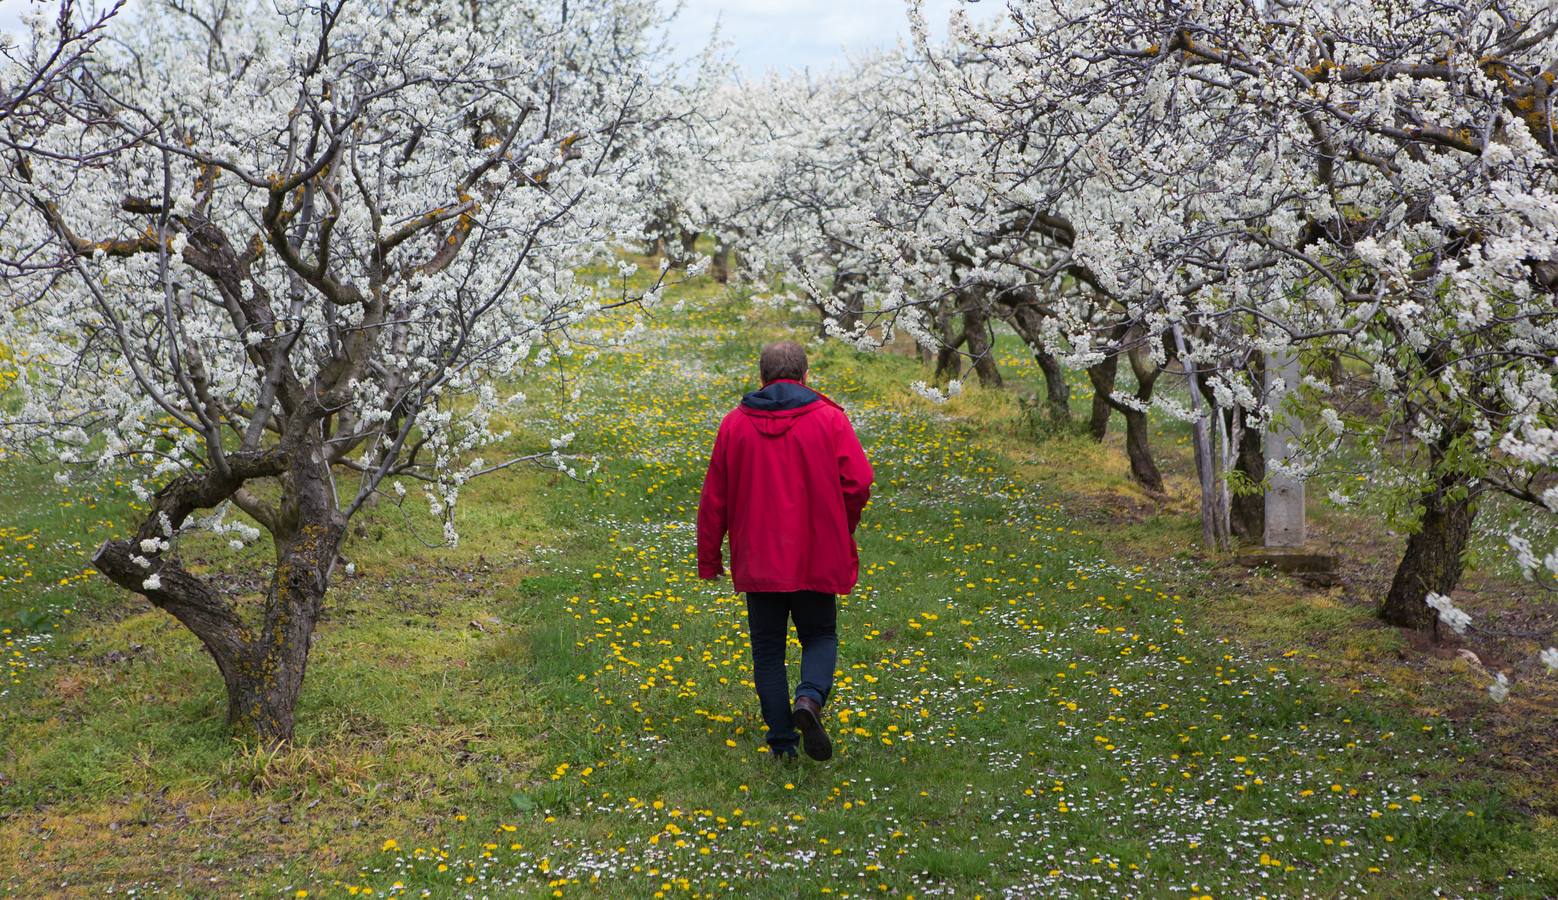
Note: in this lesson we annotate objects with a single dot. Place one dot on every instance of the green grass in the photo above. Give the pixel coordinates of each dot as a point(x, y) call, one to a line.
point(48, 533)
point(558, 706)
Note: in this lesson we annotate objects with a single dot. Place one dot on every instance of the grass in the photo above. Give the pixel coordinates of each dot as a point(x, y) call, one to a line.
point(1038, 691)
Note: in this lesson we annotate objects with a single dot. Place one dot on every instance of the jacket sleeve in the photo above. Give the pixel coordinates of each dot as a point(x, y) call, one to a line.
point(855, 473)
point(712, 518)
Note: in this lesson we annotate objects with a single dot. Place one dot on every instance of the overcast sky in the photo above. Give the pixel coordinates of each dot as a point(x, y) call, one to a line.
point(765, 34)
point(11, 15)
point(786, 34)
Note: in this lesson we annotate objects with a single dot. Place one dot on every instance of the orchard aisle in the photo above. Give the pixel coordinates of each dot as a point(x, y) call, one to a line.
point(1014, 714)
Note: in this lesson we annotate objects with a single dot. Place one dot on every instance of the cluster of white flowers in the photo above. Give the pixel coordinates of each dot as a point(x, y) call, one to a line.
point(1453, 617)
point(936, 395)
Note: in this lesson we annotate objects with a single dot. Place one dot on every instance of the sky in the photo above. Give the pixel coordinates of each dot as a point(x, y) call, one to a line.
point(764, 34)
point(11, 16)
point(794, 34)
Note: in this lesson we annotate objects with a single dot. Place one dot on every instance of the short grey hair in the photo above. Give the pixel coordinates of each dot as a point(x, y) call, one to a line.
point(784, 359)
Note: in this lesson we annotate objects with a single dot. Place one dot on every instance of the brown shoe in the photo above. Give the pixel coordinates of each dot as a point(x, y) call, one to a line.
point(807, 716)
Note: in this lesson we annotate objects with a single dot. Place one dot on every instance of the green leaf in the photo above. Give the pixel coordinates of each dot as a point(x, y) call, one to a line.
point(35, 619)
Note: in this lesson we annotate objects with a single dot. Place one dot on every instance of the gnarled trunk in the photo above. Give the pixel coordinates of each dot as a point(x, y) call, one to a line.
point(262, 664)
point(261, 670)
point(1057, 393)
point(721, 263)
point(1102, 376)
point(975, 333)
point(1138, 448)
point(1143, 469)
point(976, 325)
point(687, 241)
point(261, 704)
point(1027, 320)
point(1434, 555)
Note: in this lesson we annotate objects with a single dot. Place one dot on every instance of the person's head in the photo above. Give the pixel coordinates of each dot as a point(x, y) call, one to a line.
point(785, 359)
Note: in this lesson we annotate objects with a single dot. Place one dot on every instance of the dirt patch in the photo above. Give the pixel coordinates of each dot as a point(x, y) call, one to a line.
point(59, 853)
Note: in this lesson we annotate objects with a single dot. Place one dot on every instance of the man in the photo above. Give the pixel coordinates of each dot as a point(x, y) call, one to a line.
point(787, 479)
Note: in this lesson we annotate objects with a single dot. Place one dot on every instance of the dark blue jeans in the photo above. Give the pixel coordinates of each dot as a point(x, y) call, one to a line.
point(816, 624)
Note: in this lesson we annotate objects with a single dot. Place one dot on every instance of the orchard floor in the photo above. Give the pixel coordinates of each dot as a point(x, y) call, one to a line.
point(558, 707)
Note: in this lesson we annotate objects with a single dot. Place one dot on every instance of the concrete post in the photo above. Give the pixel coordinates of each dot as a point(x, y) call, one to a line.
point(1284, 493)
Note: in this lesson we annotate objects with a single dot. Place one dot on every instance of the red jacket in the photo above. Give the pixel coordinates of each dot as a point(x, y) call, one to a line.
point(787, 479)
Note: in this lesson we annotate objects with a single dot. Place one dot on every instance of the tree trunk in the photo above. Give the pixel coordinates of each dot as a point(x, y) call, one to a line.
point(721, 263)
point(1137, 448)
point(1247, 512)
point(688, 241)
point(262, 669)
point(1102, 376)
point(1434, 555)
point(1057, 393)
point(261, 704)
point(263, 673)
point(948, 362)
point(976, 325)
point(1027, 320)
point(849, 296)
point(1214, 531)
point(1143, 469)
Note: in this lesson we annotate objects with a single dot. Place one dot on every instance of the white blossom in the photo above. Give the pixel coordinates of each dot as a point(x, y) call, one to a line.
point(1499, 689)
point(1454, 618)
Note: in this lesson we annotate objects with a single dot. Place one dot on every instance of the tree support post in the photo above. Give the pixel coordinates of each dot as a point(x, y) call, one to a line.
point(1286, 535)
point(1285, 523)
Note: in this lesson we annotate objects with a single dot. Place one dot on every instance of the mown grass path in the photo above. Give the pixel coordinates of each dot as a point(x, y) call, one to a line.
point(1015, 715)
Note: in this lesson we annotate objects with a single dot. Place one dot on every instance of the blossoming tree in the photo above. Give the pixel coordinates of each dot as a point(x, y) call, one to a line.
point(281, 255)
point(1369, 186)
point(1373, 186)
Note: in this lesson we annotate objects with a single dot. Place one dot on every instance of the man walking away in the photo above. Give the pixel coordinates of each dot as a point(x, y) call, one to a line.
point(787, 480)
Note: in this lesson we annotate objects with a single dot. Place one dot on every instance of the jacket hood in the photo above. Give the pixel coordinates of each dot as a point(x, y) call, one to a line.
point(779, 405)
